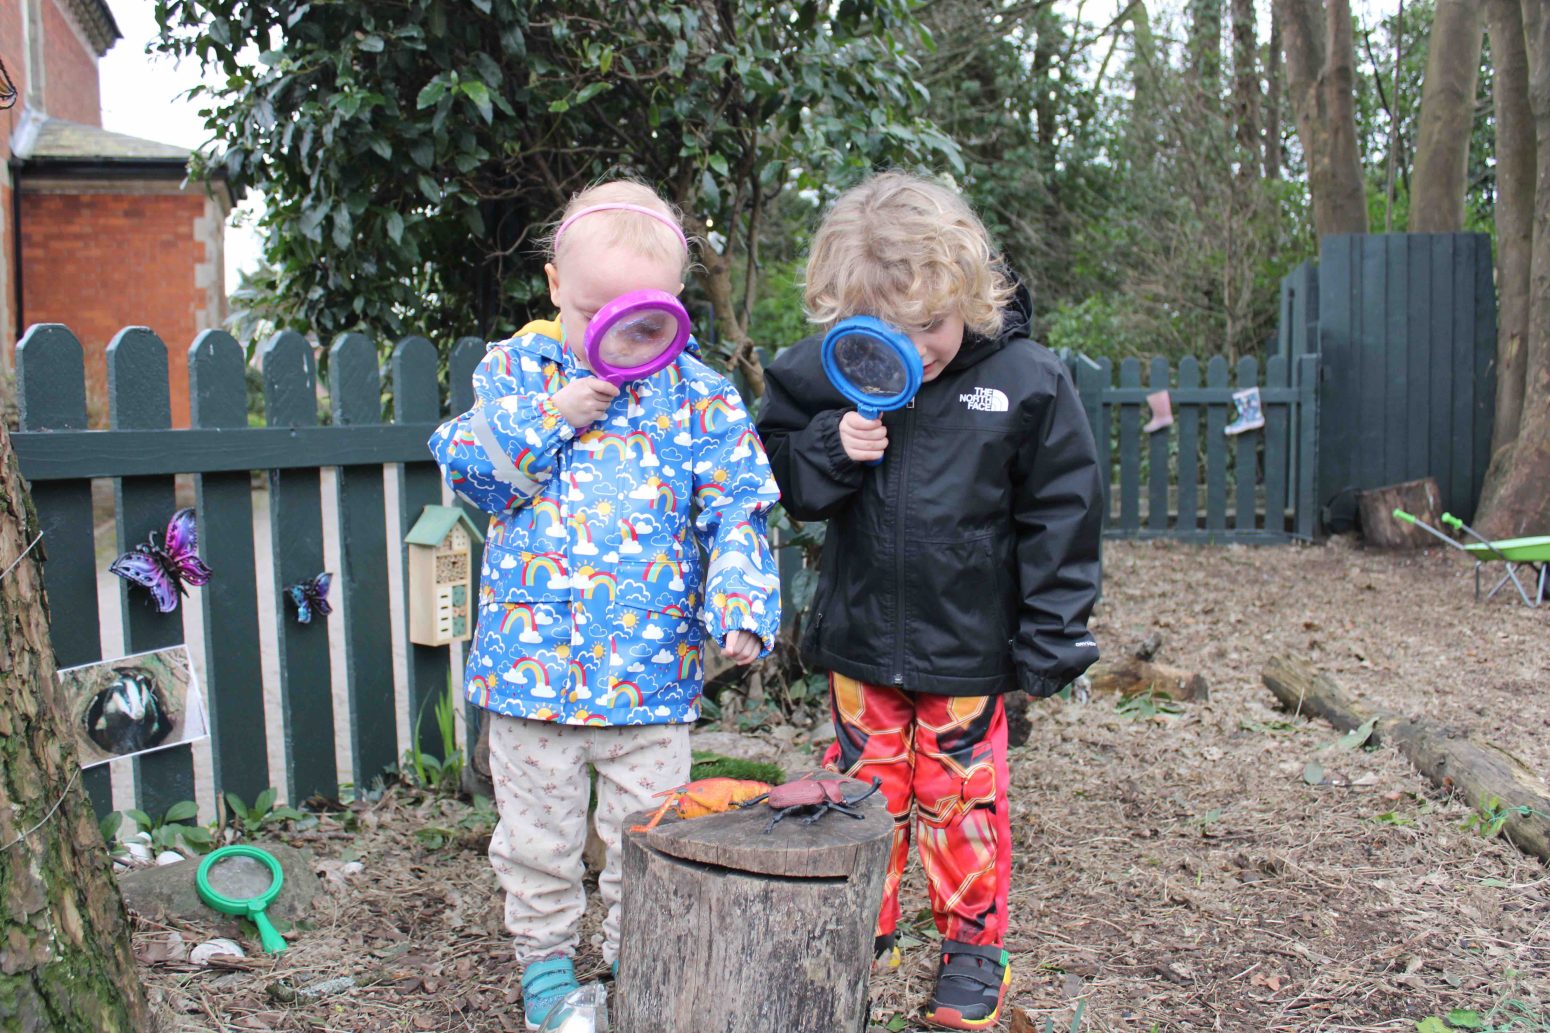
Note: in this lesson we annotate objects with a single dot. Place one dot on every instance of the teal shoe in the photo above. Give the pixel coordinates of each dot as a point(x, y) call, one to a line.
point(544, 986)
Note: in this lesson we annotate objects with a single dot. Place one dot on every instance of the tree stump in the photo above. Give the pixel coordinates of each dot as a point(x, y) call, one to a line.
point(731, 930)
point(1421, 499)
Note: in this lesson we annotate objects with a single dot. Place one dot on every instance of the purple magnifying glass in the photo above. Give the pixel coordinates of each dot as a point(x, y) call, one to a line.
point(635, 335)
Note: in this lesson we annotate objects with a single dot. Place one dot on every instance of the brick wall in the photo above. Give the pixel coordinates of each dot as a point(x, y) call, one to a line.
point(13, 48)
point(70, 87)
point(99, 262)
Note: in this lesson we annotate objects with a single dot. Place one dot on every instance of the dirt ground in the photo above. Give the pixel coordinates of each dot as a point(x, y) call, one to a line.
point(1172, 871)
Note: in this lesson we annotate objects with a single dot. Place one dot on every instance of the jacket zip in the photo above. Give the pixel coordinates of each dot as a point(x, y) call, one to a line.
point(898, 543)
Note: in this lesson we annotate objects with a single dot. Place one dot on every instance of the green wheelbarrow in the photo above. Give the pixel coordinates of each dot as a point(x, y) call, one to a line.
point(1532, 555)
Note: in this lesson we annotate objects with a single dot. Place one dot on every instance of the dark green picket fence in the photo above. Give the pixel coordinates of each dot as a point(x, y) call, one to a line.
point(1199, 484)
point(141, 455)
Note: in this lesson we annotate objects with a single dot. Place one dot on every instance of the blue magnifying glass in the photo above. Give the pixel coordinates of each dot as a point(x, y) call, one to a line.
point(874, 365)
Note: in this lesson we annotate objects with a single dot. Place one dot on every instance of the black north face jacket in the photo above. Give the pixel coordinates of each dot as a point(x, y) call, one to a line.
point(967, 563)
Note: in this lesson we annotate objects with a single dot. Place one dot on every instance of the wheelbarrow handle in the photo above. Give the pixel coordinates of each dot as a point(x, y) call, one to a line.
point(1400, 514)
point(1453, 521)
point(1408, 518)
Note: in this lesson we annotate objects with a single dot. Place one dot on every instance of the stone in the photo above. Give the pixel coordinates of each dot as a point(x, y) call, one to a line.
point(168, 892)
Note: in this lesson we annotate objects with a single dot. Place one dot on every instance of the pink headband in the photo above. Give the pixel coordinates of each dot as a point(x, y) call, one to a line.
point(621, 207)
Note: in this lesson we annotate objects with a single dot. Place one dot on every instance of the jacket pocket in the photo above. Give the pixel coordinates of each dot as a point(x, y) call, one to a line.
point(656, 658)
point(957, 620)
point(519, 574)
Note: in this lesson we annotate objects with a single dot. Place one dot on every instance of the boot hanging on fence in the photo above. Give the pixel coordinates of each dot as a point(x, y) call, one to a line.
point(1162, 411)
point(1250, 417)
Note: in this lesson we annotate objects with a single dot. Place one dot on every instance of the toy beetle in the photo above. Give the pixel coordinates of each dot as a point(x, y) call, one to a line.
point(820, 797)
point(706, 796)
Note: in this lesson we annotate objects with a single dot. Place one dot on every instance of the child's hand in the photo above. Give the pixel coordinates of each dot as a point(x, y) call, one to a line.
point(584, 400)
point(863, 440)
point(743, 647)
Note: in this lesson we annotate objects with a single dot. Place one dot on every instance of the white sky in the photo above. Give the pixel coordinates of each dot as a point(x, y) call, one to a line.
point(140, 97)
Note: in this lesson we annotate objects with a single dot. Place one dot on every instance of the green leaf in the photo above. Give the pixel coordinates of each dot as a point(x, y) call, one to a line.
point(483, 5)
point(591, 90)
point(235, 805)
point(196, 835)
point(183, 810)
point(110, 824)
point(141, 819)
point(382, 146)
point(1431, 1024)
point(266, 801)
point(719, 163)
point(479, 93)
point(433, 91)
point(559, 107)
point(395, 226)
point(429, 188)
point(373, 44)
point(897, 1023)
point(1466, 1019)
point(348, 104)
point(474, 221)
point(1356, 736)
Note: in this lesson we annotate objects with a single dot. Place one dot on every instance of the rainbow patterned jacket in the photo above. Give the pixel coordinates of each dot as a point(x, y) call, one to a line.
point(593, 599)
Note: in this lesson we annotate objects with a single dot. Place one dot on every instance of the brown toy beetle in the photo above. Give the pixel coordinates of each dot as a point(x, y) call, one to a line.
point(820, 797)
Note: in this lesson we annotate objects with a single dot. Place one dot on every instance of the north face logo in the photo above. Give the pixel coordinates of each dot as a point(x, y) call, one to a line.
point(985, 399)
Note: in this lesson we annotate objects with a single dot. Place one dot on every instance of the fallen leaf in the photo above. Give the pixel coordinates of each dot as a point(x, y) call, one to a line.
point(1021, 1023)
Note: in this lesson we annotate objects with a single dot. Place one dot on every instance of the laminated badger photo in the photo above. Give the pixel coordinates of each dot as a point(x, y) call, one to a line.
point(133, 704)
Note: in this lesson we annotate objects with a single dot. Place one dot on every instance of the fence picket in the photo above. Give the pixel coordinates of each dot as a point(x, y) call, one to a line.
point(296, 536)
point(413, 369)
point(1216, 449)
point(1277, 420)
point(1246, 452)
point(361, 583)
point(1186, 416)
point(138, 398)
point(1308, 445)
point(467, 353)
point(1129, 450)
point(234, 684)
point(1157, 477)
point(51, 391)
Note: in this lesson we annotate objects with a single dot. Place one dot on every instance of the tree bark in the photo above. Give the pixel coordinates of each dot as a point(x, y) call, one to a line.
point(1518, 503)
point(1375, 509)
point(1485, 775)
point(1273, 94)
point(1514, 224)
point(65, 960)
point(1205, 48)
point(1447, 118)
point(1320, 66)
point(1245, 90)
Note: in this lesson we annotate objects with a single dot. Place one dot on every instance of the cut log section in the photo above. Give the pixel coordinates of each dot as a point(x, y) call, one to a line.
point(1420, 499)
point(730, 929)
point(1484, 774)
point(1131, 676)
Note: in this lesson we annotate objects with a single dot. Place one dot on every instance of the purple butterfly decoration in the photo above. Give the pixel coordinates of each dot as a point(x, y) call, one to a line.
point(165, 568)
point(310, 596)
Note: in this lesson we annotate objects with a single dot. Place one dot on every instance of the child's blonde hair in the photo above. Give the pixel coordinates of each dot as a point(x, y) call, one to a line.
point(622, 228)
point(907, 250)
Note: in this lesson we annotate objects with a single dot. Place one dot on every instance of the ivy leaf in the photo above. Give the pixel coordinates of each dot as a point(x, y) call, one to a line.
point(382, 145)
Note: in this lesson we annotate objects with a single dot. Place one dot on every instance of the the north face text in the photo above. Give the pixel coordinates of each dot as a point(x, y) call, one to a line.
point(984, 399)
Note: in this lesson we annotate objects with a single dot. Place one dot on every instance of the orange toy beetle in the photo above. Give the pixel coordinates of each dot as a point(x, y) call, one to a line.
point(705, 796)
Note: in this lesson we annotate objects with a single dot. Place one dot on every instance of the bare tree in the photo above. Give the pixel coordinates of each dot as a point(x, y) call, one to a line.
point(1514, 219)
point(1320, 66)
point(65, 961)
point(1273, 93)
point(1447, 117)
point(1245, 89)
point(1516, 502)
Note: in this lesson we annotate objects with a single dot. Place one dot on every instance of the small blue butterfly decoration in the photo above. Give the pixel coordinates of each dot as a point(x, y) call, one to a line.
point(310, 596)
point(166, 567)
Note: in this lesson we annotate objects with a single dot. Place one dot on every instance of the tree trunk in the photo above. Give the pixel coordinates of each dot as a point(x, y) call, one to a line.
point(1514, 224)
point(1485, 775)
point(1320, 66)
point(65, 961)
point(1519, 504)
point(1447, 118)
point(1205, 48)
point(1245, 90)
point(1273, 93)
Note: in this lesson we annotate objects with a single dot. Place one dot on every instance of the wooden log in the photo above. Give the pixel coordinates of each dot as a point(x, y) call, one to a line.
point(1421, 499)
point(1130, 676)
point(1484, 774)
point(728, 928)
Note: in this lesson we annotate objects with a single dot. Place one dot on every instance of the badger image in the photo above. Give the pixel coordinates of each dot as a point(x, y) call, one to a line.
point(128, 715)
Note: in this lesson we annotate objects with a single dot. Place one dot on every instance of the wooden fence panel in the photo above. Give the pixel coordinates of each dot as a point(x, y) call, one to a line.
point(1129, 450)
point(467, 353)
point(1157, 445)
point(138, 397)
point(51, 391)
point(296, 536)
point(233, 669)
point(361, 592)
point(1216, 449)
point(1278, 418)
point(413, 369)
point(1186, 416)
point(1246, 453)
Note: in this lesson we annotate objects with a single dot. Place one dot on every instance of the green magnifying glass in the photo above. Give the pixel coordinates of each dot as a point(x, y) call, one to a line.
point(243, 880)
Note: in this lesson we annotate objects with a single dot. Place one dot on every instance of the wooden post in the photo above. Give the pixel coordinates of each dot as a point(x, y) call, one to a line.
point(728, 928)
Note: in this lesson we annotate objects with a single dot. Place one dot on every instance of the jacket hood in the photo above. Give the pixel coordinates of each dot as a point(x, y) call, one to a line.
point(1017, 322)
